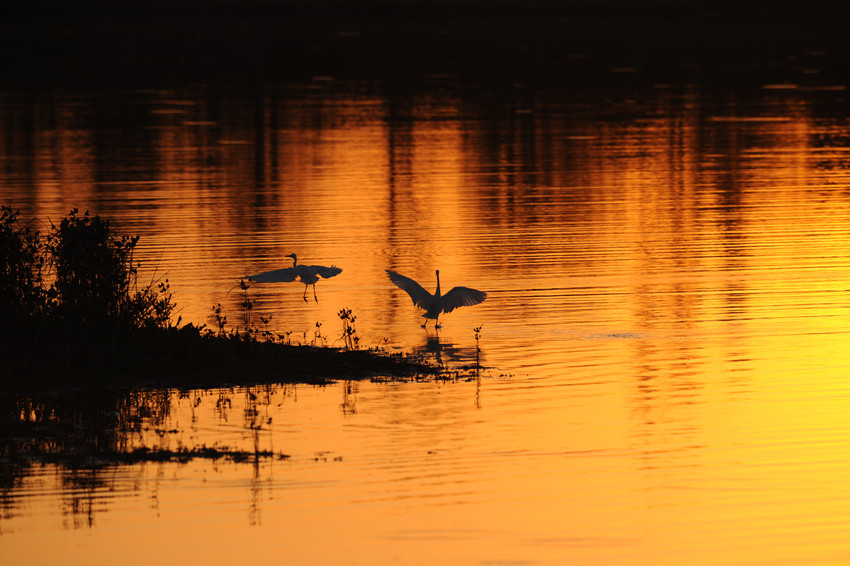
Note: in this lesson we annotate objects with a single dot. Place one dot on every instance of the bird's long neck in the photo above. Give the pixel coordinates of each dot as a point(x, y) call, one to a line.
point(294, 260)
point(437, 292)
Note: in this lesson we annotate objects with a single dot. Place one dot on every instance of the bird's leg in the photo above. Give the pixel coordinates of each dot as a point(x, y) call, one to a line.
point(314, 293)
point(305, 293)
point(437, 322)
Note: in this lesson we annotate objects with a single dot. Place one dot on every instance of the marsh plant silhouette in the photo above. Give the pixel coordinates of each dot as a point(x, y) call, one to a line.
point(477, 331)
point(96, 279)
point(71, 297)
point(22, 292)
point(80, 276)
point(349, 332)
point(219, 318)
point(247, 303)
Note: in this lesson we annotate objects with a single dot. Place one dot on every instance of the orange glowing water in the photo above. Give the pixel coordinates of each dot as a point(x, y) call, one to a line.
point(666, 327)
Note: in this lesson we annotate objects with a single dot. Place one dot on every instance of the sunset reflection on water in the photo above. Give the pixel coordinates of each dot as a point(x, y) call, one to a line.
point(665, 334)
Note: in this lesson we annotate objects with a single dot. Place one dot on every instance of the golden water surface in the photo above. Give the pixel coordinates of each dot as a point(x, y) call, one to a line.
point(665, 334)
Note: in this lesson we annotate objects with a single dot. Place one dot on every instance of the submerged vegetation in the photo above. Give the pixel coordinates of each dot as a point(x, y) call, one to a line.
point(73, 312)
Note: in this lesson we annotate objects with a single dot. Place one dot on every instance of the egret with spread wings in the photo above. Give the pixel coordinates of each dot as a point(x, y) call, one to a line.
point(436, 304)
point(307, 274)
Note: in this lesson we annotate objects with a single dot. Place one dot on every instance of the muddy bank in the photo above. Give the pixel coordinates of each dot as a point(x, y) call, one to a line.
point(186, 358)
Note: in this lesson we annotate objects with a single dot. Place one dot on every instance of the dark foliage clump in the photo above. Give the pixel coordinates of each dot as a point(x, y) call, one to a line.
point(96, 278)
point(71, 297)
point(22, 293)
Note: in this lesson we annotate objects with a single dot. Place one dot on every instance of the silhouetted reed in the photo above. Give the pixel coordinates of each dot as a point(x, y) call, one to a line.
point(349, 332)
point(247, 304)
point(477, 331)
point(318, 338)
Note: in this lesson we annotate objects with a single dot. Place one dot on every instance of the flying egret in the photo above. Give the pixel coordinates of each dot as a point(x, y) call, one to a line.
point(436, 304)
point(308, 274)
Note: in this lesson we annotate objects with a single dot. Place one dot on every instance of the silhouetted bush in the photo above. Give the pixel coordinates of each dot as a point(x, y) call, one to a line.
point(93, 279)
point(92, 269)
point(96, 277)
point(22, 293)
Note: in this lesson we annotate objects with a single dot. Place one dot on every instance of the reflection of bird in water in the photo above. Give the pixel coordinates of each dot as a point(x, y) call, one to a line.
point(436, 304)
point(308, 274)
point(435, 347)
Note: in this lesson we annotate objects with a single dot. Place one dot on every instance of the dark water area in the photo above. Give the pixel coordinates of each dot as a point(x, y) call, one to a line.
point(568, 46)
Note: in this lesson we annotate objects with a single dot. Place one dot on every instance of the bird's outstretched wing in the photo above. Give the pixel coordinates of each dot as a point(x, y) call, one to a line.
point(420, 296)
point(285, 275)
point(462, 297)
point(326, 272)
